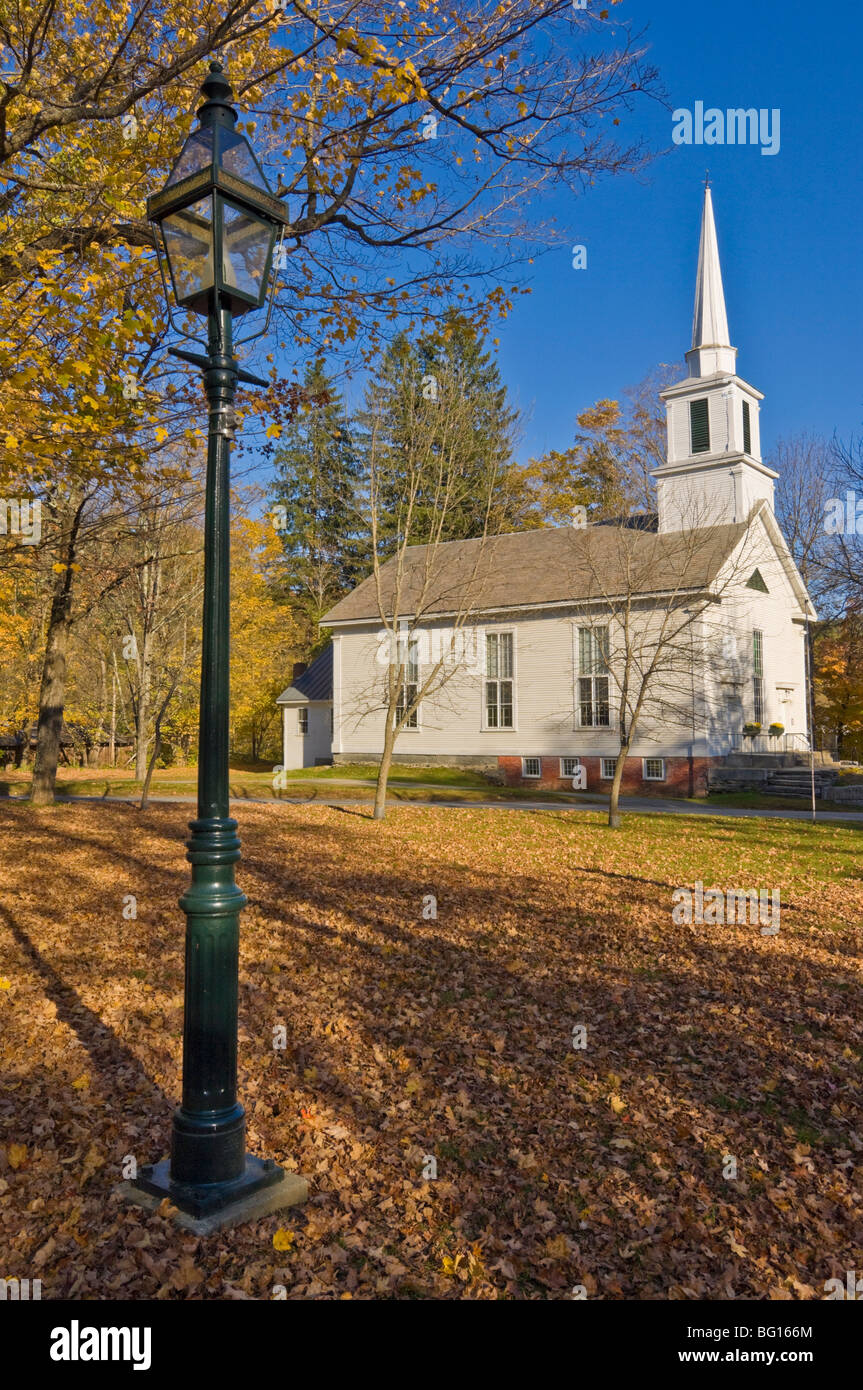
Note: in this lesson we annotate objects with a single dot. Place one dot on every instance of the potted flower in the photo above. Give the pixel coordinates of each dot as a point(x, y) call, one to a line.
point(776, 729)
point(750, 730)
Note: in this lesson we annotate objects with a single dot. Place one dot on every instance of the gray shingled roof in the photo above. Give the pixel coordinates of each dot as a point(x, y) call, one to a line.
point(316, 683)
point(528, 569)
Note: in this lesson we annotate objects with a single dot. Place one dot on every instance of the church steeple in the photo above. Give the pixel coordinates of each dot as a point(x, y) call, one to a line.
point(714, 471)
point(711, 349)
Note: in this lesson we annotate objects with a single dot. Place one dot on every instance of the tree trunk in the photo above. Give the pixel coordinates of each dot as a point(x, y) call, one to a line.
point(112, 745)
point(151, 594)
point(52, 696)
point(98, 743)
point(384, 770)
point(614, 817)
point(143, 711)
point(52, 693)
point(157, 742)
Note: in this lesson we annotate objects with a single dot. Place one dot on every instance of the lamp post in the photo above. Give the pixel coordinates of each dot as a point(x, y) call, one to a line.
point(216, 220)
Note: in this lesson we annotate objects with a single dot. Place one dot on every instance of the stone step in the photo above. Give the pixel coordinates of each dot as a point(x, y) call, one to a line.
point(800, 775)
point(789, 785)
point(791, 791)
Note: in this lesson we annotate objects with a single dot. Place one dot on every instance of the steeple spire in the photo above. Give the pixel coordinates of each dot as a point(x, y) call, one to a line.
point(711, 350)
point(714, 471)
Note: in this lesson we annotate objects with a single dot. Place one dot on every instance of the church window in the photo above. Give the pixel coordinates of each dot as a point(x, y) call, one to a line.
point(303, 721)
point(499, 680)
point(699, 426)
point(747, 429)
point(409, 654)
point(758, 676)
point(593, 702)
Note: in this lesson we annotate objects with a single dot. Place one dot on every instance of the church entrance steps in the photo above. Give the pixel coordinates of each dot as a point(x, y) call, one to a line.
point(772, 777)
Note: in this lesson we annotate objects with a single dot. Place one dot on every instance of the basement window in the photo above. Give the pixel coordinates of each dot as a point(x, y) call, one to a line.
point(531, 767)
point(608, 766)
point(569, 766)
point(654, 769)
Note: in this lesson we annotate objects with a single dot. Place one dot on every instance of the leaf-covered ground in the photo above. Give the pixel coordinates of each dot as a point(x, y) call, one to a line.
point(410, 1038)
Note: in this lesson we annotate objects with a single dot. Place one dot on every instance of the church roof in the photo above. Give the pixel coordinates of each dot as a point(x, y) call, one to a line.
point(316, 682)
point(550, 566)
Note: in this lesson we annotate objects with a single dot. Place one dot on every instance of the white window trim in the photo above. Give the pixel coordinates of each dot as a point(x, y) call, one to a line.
point(404, 631)
point(644, 774)
point(414, 728)
point(302, 710)
point(577, 725)
point(603, 775)
point(571, 758)
point(485, 727)
point(531, 758)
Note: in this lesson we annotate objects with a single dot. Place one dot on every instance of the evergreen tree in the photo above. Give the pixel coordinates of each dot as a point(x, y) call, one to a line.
point(408, 382)
point(314, 507)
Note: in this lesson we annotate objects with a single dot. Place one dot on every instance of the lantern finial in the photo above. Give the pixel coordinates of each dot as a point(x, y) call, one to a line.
point(217, 109)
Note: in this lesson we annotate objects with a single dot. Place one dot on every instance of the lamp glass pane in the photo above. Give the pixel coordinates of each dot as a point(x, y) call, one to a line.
point(236, 158)
point(196, 154)
point(188, 238)
point(246, 245)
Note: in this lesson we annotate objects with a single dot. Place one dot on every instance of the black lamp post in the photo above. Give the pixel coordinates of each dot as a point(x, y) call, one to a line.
point(217, 221)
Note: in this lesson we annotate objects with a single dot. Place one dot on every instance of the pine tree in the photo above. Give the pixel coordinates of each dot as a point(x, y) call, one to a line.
point(315, 505)
point(408, 381)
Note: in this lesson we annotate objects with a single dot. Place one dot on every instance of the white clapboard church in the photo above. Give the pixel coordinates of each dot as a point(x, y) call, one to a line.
point(546, 627)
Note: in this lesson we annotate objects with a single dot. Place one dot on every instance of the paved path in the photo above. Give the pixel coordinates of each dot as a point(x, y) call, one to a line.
point(639, 804)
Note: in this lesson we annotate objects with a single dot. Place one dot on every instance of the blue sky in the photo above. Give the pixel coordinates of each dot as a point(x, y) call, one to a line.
point(789, 228)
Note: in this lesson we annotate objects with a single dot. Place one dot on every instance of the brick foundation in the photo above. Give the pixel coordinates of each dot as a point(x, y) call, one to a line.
point(677, 776)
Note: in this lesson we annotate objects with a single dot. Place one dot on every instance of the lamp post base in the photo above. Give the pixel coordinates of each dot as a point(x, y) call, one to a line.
point(263, 1187)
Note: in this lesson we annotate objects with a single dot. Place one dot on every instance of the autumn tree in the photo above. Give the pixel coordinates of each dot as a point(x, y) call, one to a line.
point(606, 471)
point(264, 637)
point(390, 127)
point(406, 143)
point(842, 520)
point(150, 618)
point(839, 684)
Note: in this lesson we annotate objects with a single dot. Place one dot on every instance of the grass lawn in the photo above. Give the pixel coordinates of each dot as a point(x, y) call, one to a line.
point(255, 781)
point(410, 1037)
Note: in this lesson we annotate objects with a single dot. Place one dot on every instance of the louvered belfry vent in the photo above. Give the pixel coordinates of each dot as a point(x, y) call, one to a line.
point(699, 426)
